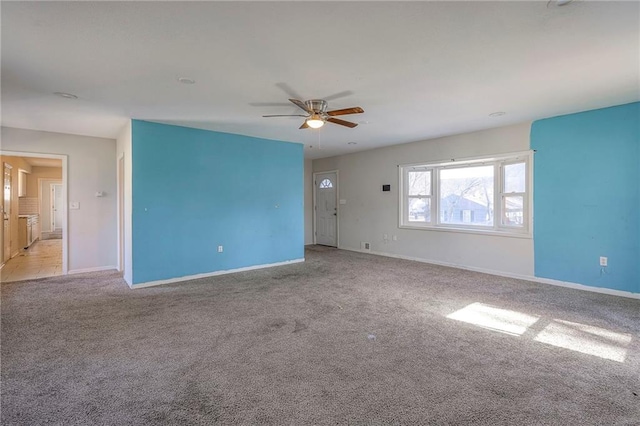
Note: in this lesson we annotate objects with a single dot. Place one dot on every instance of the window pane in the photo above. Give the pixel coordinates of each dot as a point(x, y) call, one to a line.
point(466, 196)
point(514, 177)
point(419, 182)
point(326, 183)
point(513, 208)
point(419, 209)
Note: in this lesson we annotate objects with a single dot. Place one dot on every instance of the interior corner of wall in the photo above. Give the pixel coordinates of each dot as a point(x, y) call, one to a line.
point(125, 129)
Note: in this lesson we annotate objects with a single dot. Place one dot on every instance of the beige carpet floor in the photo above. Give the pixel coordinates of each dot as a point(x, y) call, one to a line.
point(344, 338)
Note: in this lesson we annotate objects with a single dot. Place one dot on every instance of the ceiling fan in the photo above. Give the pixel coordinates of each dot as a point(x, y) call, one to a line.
point(317, 114)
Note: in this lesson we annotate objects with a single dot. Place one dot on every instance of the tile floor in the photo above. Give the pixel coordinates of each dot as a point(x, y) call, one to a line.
point(42, 259)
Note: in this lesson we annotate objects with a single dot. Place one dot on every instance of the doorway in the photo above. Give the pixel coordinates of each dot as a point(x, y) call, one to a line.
point(38, 251)
point(48, 204)
point(57, 218)
point(325, 190)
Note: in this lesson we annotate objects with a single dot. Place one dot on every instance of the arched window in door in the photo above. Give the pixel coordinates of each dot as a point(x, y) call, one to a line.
point(325, 183)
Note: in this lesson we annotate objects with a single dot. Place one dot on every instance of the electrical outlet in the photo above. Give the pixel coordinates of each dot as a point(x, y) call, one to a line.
point(395, 238)
point(220, 249)
point(603, 261)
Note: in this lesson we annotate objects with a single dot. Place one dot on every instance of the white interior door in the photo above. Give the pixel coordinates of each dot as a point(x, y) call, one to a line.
point(56, 207)
point(326, 203)
point(6, 212)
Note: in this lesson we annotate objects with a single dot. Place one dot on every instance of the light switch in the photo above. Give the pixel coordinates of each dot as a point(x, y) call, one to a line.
point(343, 201)
point(74, 205)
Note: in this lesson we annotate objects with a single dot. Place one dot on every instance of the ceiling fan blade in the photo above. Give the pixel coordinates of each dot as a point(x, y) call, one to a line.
point(285, 115)
point(338, 95)
point(345, 111)
point(269, 104)
point(304, 126)
point(288, 90)
point(341, 122)
point(300, 105)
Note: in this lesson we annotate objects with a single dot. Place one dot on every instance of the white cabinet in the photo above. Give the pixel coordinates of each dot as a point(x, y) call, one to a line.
point(22, 183)
point(35, 228)
point(28, 230)
point(23, 232)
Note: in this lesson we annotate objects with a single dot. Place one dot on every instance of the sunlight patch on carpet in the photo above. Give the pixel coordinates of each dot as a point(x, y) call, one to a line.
point(496, 319)
point(586, 339)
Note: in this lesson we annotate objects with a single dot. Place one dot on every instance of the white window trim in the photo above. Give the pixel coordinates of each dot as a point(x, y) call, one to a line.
point(404, 193)
point(498, 161)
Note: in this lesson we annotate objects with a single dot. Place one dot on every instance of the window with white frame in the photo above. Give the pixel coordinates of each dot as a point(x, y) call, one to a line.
point(490, 195)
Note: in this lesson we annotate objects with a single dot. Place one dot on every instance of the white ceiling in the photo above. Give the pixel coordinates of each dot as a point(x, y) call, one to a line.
point(419, 69)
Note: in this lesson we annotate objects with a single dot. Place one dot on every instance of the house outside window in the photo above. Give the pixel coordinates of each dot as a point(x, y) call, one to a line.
point(487, 195)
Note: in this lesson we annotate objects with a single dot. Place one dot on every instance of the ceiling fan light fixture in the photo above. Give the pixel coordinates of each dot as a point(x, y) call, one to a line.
point(315, 121)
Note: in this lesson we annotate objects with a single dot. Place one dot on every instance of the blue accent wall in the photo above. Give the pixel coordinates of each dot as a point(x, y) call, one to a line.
point(587, 197)
point(194, 190)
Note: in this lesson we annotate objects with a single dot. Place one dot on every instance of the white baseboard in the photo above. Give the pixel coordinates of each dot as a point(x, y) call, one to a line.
point(576, 286)
point(96, 269)
point(558, 283)
point(213, 274)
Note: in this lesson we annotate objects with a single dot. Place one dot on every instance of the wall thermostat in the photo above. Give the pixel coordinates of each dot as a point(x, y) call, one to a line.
point(386, 188)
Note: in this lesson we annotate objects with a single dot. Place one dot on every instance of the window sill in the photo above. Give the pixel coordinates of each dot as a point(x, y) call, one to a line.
point(491, 232)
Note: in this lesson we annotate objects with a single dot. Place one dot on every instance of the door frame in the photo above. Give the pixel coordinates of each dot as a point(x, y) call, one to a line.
point(6, 165)
point(120, 170)
point(315, 205)
point(65, 202)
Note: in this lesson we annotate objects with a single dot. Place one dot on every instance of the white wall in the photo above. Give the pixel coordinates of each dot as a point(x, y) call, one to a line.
point(308, 201)
point(123, 147)
point(92, 228)
point(370, 213)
